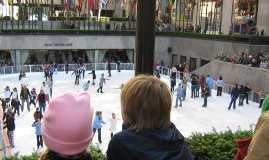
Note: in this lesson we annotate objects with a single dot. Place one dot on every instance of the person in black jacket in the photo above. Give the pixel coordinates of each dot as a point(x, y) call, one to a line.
point(247, 90)
point(148, 132)
point(109, 68)
point(10, 125)
point(93, 76)
point(25, 97)
point(241, 95)
point(234, 97)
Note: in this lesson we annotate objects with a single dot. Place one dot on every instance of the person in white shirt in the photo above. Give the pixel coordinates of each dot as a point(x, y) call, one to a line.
point(7, 94)
point(220, 86)
point(113, 124)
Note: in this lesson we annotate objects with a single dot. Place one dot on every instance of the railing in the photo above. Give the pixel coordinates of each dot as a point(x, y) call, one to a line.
point(61, 67)
point(255, 95)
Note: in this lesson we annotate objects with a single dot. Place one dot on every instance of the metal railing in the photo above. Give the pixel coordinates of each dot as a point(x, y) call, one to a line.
point(61, 67)
point(255, 95)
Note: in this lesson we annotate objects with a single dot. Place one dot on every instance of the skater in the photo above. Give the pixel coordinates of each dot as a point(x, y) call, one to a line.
point(83, 70)
point(42, 99)
point(173, 77)
point(93, 76)
point(86, 86)
point(184, 85)
point(109, 68)
point(24, 95)
point(150, 134)
point(38, 132)
point(234, 97)
point(101, 83)
point(66, 68)
point(7, 94)
point(206, 95)
point(15, 102)
point(77, 75)
point(46, 71)
point(10, 125)
point(180, 94)
point(241, 95)
point(38, 114)
point(194, 84)
point(33, 96)
point(247, 91)
point(113, 124)
point(71, 141)
point(55, 68)
point(210, 84)
point(45, 88)
point(50, 86)
point(220, 86)
point(202, 84)
point(97, 125)
point(118, 65)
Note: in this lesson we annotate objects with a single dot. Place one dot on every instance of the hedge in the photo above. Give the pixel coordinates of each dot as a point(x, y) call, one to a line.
point(209, 146)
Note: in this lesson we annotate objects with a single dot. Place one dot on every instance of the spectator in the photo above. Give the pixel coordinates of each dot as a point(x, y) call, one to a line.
point(72, 140)
point(210, 83)
point(147, 123)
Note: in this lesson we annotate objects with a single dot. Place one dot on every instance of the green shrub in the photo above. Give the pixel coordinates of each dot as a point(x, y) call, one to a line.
point(210, 146)
point(215, 146)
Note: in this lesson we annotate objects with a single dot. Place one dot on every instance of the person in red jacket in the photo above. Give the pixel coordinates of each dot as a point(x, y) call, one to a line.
point(42, 99)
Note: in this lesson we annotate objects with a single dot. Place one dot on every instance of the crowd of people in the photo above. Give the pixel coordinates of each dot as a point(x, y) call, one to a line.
point(253, 60)
point(147, 130)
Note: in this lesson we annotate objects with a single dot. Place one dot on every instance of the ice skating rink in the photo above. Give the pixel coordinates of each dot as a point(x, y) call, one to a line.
point(188, 119)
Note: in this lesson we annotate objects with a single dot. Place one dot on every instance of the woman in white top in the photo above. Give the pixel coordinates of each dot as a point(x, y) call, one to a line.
point(220, 86)
point(113, 124)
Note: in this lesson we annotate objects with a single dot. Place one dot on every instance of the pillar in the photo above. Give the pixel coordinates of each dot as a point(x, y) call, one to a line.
point(145, 36)
point(226, 16)
point(262, 17)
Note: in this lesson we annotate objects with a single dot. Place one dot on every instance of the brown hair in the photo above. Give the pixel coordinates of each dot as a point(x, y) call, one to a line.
point(146, 104)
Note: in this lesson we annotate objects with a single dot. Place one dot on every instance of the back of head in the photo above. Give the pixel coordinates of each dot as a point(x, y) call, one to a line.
point(146, 104)
point(67, 124)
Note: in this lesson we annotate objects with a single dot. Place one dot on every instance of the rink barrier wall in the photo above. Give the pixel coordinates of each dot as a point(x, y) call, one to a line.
point(61, 67)
point(255, 95)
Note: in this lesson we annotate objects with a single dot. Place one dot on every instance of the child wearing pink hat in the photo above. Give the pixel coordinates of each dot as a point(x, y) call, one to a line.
point(67, 127)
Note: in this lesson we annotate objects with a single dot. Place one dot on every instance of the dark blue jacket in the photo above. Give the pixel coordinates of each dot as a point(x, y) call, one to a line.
point(166, 144)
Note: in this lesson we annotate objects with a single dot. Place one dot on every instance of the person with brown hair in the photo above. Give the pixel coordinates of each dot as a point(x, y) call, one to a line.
point(149, 134)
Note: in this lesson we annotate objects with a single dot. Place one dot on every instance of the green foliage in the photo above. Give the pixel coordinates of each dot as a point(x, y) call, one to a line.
point(215, 146)
point(95, 151)
point(210, 146)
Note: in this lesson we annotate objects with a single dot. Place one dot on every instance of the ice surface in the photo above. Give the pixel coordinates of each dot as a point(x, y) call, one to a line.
point(188, 119)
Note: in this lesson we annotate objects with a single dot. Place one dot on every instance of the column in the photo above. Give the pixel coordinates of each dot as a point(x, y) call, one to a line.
point(145, 36)
point(226, 16)
point(262, 17)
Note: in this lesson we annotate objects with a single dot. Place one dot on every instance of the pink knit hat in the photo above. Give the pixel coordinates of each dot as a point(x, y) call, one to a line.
point(67, 123)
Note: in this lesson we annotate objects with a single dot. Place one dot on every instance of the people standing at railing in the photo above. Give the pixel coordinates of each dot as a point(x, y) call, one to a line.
point(24, 95)
point(220, 86)
point(234, 97)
